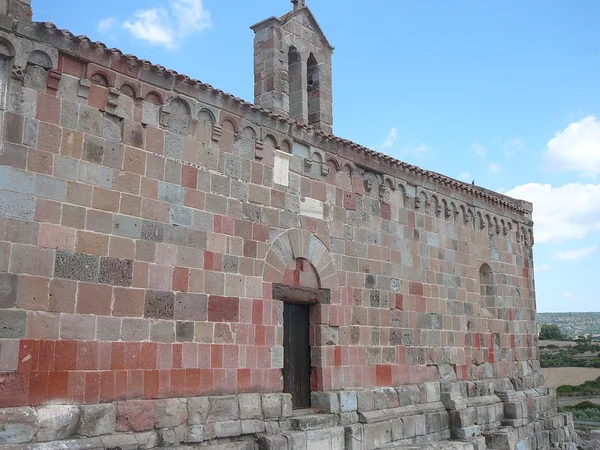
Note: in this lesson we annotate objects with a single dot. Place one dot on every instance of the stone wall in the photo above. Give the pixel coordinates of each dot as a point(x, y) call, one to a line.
point(144, 218)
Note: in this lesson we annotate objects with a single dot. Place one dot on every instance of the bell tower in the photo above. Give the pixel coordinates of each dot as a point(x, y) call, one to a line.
point(292, 67)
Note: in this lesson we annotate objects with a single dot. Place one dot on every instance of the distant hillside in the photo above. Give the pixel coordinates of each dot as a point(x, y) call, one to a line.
point(573, 324)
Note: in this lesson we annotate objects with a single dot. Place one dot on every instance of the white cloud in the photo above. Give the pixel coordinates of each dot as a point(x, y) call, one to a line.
point(574, 297)
point(561, 213)
point(420, 151)
point(105, 25)
point(159, 26)
point(464, 176)
point(542, 267)
point(391, 139)
point(576, 148)
point(494, 167)
point(479, 149)
point(576, 255)
point(152, 26)
point(513, 146)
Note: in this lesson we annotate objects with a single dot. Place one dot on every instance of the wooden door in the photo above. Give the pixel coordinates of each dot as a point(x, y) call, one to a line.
point(296, 353)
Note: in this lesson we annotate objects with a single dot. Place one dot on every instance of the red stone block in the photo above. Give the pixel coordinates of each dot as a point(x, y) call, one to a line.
point(164, 357)
point(117, 355)
point(135, 383)
point(244, 380)
point(177, 356)
point(384, 375)
point(104, 352)
point(58, 386)
point(120, 384)
point(230, 356)
point(216, 356)
point(260, 232)
point(97, 97)
point(257, 312)
point(193, 382)
point(349, 201)
point(386, 211)
point(318, 190)
point(48, 108)
point(206, 381)
point(148, 355)
point(38, 388)
point(87, 355)
point(132, 355)
point(213, 261)
point(164, 383)
point(28, 355)
point(189, 176)
point(77, 387)
point(338, 356)
point(399, 302)
point(223, 309)
point(181, 279)
point(219, 381)
point(94, 299)
point(243, 228)
point(415, 288)
point(411, 219)
point(231, 381)
point(107, 386)
point(71, 66)
point(92, 387)
point(177, 388)
point(14, 389)
point(151, 384)
point(46, 356)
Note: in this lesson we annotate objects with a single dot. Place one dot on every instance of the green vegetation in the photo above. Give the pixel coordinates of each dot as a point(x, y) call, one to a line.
point(584, 411)
point(573, 324)
point(580, 354)
point(551, 332)
point(589, 388)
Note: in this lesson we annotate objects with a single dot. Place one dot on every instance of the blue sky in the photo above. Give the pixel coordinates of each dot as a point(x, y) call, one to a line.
point(503, 93)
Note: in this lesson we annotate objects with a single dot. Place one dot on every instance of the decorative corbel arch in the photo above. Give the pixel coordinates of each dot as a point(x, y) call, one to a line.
point(297, 243)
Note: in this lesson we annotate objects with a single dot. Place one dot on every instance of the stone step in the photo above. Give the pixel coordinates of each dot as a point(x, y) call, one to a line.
point(442, 445)
point(305, 412)
point(315, 422)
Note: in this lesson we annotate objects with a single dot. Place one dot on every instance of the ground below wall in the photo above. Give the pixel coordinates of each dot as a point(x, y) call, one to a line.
point(427, 416)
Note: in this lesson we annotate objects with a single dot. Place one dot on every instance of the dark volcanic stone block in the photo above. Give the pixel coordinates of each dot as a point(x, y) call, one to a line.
point(159, 305)
point(185, 331)
point(76, 266)
point(118, 272)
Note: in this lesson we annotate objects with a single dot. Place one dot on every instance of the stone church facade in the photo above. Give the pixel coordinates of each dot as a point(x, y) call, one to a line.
point(179, 267)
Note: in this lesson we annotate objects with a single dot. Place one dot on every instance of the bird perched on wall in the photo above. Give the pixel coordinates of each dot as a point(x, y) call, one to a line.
point(473, 182)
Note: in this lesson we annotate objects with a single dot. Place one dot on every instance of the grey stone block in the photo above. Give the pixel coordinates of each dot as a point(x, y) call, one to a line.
point(95, 174)
point(12, 324)
point(17, 425)
point(56, 422)
point(194, 434)
point(162, 331)
point(66, 168)
point(348, 401)
point(152, 231)
point(9, 284)
point(224, 408)
point(93, 149)
point(16, 205)
point(78, 326)
point(120, 441)
point(191, 307)
point(230, 428)
point(30, 133)
point(96, 420)
point(250, 406)
point(108, 328)
point(16, 180)
point(170, 193)
point(184, 331)
point(133, 329)
point(271, 405)
point(76, 266)
point(171, 412)
point(198, 410)
point(51, 188)
point(118, 272)
point(180, 216)
point(127, 226)
point(169, 437)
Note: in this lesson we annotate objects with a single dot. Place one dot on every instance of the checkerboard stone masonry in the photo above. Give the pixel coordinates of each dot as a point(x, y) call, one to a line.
point(145, 219)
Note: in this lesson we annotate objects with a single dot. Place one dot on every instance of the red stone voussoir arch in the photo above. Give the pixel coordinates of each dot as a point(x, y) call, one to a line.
point(293, 244)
